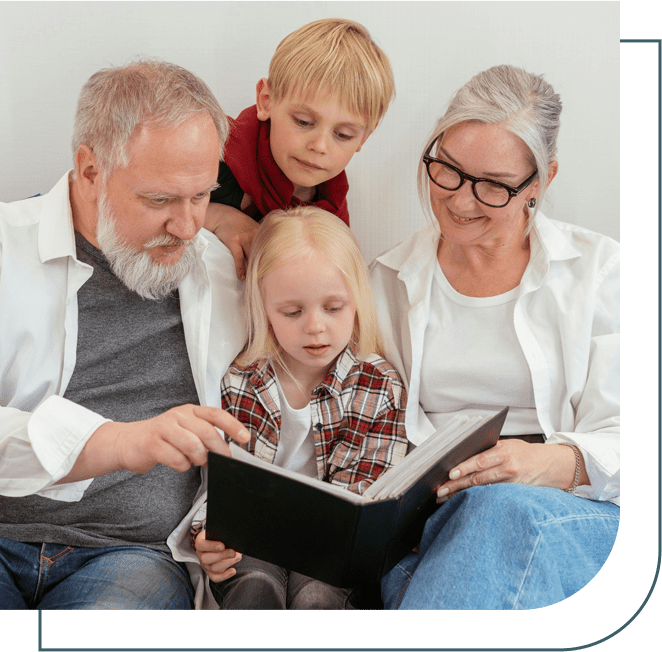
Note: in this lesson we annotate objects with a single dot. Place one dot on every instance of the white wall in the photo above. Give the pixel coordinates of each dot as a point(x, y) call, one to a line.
point(49, 49)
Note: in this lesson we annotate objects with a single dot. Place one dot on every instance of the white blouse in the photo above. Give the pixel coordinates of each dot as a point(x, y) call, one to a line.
point(473, 362)
point(566, 319)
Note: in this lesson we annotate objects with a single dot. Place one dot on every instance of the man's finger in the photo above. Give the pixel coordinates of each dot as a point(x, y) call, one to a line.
point(223, 421)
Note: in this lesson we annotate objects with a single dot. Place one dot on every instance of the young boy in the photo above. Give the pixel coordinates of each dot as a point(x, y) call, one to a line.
point(329, 86)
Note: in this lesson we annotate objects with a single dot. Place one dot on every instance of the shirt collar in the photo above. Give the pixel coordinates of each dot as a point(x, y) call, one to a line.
point(548, 244)
point(262, 372)
point(56, 227)
point(413, 254)
point(554, 245)
point(333, 383)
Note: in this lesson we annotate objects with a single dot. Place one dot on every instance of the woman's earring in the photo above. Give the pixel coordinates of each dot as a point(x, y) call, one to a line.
point(532, 202)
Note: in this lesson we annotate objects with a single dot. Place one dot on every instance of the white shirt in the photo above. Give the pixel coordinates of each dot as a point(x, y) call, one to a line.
point(42, 433)
point(296, 443)
point(567, 322)
point(482, 364)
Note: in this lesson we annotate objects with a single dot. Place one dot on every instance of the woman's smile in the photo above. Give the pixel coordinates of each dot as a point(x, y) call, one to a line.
point(463, 220)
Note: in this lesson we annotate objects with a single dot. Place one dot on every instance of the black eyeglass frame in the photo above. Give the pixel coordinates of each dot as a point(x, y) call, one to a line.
point(512, 192)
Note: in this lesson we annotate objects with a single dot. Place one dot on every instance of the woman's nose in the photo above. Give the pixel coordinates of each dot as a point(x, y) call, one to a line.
point(463, 197)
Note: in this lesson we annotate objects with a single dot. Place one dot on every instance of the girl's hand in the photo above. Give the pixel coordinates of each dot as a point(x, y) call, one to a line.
point(514, 460)
point(215, 559)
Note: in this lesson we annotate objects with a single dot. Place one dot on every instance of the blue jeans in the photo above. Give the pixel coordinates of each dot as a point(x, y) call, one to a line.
point(504, 546)
point(53, 576)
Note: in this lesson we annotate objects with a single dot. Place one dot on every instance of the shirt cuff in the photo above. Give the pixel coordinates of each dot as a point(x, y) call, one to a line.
point(58, 430)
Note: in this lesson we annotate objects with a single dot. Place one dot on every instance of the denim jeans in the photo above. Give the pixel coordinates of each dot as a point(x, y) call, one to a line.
point(261, 585)
point(53, 576)
point(504, 546)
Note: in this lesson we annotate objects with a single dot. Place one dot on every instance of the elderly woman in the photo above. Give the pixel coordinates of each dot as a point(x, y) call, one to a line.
point(494, 304)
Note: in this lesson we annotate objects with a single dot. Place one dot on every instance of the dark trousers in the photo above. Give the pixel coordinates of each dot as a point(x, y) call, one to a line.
point(260, 585)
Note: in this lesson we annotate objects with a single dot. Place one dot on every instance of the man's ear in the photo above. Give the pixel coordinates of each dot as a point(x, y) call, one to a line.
point(88, 174)
point(263, 100)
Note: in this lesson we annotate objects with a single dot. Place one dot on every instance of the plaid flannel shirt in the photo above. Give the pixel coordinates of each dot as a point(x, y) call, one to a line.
point(357, 414)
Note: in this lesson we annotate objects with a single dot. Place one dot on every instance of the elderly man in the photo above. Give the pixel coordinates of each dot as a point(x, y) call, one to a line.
point(117, 322)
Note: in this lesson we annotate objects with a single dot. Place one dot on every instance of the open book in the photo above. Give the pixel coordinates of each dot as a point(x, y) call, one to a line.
point(327, 532)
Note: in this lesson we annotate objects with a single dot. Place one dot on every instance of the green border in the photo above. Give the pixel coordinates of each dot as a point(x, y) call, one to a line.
point(603, 607)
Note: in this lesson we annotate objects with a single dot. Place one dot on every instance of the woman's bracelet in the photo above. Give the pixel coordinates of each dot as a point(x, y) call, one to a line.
point(575, 483)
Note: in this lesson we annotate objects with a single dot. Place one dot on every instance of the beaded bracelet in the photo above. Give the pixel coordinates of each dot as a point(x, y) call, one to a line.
point(575, 484)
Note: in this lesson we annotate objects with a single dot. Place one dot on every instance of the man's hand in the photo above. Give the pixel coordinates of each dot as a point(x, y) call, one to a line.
point(235, 230)
point(215, 560)
point(179, 438)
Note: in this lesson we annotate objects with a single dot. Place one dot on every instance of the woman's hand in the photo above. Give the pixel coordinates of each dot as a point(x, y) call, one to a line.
point(215, 559)
point(513, 460)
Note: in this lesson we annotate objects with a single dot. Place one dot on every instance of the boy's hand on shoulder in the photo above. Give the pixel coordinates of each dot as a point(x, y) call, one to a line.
point(215, 559)
point(235, 230)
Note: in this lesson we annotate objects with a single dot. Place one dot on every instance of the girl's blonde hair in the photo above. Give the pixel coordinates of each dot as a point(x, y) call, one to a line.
point(335, 56)
point(286, 235)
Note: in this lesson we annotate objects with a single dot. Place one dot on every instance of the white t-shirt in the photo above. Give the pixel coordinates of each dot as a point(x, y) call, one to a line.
point(296, 445)
point(473, 362)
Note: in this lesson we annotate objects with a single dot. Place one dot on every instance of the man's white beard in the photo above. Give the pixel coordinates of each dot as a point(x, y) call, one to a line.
point(136, 269)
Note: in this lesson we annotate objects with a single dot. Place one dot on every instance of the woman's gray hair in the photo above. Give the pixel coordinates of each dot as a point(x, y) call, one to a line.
point(115, 101)
point(523, 103)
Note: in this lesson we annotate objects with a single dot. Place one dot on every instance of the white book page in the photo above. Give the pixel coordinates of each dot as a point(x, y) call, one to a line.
point(398, 478)
point(423, 457)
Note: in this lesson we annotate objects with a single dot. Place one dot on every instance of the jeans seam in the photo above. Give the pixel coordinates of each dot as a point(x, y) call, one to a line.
point(577, 517)
point(405, 571)
point(405, 584)
point(526, 571)
point(46, 563)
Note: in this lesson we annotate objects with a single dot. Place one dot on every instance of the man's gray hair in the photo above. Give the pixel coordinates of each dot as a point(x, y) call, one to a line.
point(523, 103)
point(115, 101)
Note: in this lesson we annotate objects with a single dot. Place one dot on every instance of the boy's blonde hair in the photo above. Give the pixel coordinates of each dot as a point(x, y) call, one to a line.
point(286, 235)
point(337, 56)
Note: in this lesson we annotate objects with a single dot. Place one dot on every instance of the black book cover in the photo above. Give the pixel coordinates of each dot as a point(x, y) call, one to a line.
point(338, 538)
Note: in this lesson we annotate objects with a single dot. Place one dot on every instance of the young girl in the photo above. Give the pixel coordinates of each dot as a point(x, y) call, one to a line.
point(310, 386)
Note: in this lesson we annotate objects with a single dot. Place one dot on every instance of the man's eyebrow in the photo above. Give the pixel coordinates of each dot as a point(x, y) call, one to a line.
point(165, 195)
point(156, 195)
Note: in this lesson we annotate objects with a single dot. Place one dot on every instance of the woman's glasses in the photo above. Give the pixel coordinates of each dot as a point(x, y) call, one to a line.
point(486, 191)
